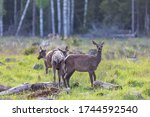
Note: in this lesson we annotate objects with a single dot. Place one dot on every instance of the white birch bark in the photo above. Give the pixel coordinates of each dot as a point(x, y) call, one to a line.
point(1, 18)
point(53, 16)
point(22, 17)
point(41, 19)
point(33, 18)
point(85, 13)
point(72, 16)
point(68, 17)
point(65, 31)
point(133, 16)
point(59, 16)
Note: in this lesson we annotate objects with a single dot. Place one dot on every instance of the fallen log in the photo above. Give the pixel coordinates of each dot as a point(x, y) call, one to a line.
point(17, 89)
point(3, 88)
point(100, 84)
point(30, 87)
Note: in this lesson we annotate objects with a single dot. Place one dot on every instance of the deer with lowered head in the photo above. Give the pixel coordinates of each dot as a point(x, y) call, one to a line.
point(83, 63)
point(54, 59)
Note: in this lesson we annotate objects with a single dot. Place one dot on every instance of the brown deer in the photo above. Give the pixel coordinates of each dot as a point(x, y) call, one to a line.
point(54, 59)
point(47, 58)
point(83, 63)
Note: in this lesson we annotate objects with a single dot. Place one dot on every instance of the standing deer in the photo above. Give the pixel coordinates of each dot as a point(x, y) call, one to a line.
point(83, 63)
point(47, 58)
point(54, 59)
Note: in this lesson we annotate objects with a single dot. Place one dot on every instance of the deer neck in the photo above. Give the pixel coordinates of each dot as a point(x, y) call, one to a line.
point(98, 57)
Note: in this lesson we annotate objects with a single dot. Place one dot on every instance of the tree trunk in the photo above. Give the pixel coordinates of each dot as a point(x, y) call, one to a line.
point(15, 14)
point(53, 16)
point(69, 17)
point(147, 20)
point(138, 18)
point(59, 16)
point(1, 18)
point(41, 19)
point(65, 31)
point(22, 17)
point(33, 18)
point(85, 13)
point(1, 25)
point(133, 16)
point(72, 16)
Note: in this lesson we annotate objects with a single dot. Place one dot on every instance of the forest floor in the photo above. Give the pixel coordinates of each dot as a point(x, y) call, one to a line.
point(124, 62)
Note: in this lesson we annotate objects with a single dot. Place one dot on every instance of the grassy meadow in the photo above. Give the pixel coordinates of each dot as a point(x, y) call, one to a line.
point(125, 62)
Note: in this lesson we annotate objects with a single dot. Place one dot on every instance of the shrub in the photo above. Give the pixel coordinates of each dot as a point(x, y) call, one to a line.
point(30, 50)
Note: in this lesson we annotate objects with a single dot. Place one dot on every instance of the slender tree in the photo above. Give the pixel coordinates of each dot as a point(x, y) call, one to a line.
point(1, 17)
point(147, 18)
point(15, 14)
point(33, 17)
point(133, 16)
point(53, 16)
point(59, 16)
point(68, 17)
point(65, 31)
point(72, 16)
point(85, 13)
point(41, 19)
point(22, 17)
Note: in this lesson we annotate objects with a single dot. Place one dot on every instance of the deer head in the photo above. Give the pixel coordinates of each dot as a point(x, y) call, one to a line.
point(99, 46)
point(42, 53)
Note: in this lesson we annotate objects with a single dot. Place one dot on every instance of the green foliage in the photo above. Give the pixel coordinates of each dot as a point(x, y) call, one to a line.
point(42, 3)
point(30, 50)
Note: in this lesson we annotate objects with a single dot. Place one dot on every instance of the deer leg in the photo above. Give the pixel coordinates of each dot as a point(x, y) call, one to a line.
point(94, 76)
point(59, 77)
point(91, 78)
point(46, 69)
point(54, 71)
point(67, 77)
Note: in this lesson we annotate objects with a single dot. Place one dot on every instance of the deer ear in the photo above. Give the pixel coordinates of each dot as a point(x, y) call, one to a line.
point(40, 48)
point(60, 50)
point(66, 49)
point(94, 43)
point(102, 43)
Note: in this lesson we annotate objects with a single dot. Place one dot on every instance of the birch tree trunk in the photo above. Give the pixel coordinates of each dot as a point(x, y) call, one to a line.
point(72, 16)
point(53, 16)
point(1, 18)
point(133, 16)
point(65, 31)
point(85, 13)
point(33, 18)
point(15, 14)
point(41, 19)
point(22, 17)
point(69, 17)
point(59, 16)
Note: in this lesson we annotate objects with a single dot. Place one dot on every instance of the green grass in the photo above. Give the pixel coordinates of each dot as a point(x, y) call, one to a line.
point(133, 76)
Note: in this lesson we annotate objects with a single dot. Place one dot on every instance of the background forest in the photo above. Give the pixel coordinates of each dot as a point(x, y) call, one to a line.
point(68, 17)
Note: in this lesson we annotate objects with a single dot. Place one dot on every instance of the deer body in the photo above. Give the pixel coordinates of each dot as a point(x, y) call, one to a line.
point(54, 59)
point(83, 63)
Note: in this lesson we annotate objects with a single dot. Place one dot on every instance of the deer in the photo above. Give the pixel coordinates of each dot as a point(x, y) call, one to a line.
point(53, 59)
point(57, 62)
point(83, 63)
point(47, 58)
